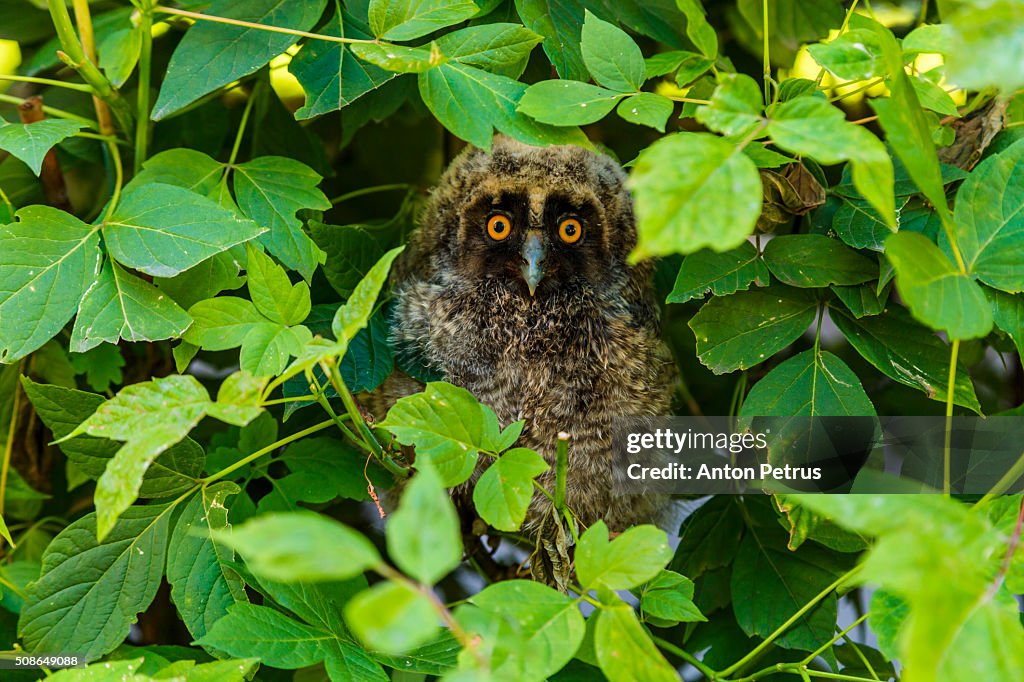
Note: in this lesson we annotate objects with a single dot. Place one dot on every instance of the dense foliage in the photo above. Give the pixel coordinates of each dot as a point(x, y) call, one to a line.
point(191, 318)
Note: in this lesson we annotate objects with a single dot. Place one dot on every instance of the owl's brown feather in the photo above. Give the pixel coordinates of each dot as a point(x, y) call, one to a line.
point(583, 350)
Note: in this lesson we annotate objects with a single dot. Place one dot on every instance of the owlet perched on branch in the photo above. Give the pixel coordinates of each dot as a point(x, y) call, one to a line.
point(516, 287)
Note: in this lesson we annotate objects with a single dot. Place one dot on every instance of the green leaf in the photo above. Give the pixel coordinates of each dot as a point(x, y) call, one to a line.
point(203, 585)
point(334, 466)
point(935, 291)
point(446, 425)
point(329, 74)
point(567, 103)
point(791, 24)
point(735, 107)
point(119, 53)
point(163, 230)
point(503, 493)
point(625, 650)
point(859, 225)
point(48, 260)
point(770, 583)
point(862, 300)
point(472, 103)
point(223, 322)
point(611, 56)
point(63, 409)
point(213, 54)
point(669, 597)
point(724, 273)
point(811, 383)
point(392, 617)
point(932, 96)
point(744, 329)
point(990, 222)
point(183, 167)
point(853, 55)
point(632, 558)
point(4, 533)
point(408, 19)
point(399, 58)
point(272, 292)
point(713, 200)
point(646, 108)
point(203, 281)
point(812, 126)
point(260, 631)
point(351, 251)
point(499, 48)
point(561, 24)
point(814, 260)
point(369, 359)
point(687, 66)
point(30, 141)
point(984, 47)
point(293, 546)
point(355, 313)
point(234, 670)
point(548, 622)
point(435, 658)
point(270, 190)
point(423, 535)
point(1008, 315)
point(907, 352)
point(121, 306)
point(698, 30)
point(89, 593)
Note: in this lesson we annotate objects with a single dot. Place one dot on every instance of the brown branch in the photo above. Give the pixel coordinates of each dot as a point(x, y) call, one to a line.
point(56, 192)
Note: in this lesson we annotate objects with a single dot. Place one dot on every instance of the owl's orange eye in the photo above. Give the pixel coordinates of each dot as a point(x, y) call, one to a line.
point(570, 230)
point(499, 227)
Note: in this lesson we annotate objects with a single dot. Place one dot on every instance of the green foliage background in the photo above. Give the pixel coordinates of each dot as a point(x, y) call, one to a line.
point(200, 145)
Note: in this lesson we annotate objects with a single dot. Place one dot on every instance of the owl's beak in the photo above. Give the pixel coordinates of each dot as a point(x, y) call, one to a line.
point(533, 260)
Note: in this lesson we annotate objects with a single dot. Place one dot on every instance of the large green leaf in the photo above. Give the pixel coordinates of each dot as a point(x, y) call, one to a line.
point(213, 54)
point(854, 55)
point(270, 190)
point(500, 48)
point(712, 200)
point(183, 167)
point(407, 19)
point(89, 593)
point(989, 217)
point(122, 306)
point(905, 351)
point(735, 106)
point(568, 103)
point(278, 641)
point(392, 617)
point(812, 126)
point(203, 281)
point(300, 546)
point(354, 315)
point(30, 141)
point(724, 273)
point(1008, 315)
point(698, 30)
point(222, 322)
point(811, 383)
point(741, 330)
point(423, 534)
point(561, 24)
point(813, 260)
point(625, 650)
point(632, 558)
point(331, 77)
point(163, 230)
point(48, 260)
point(935, 291)
point(646, 109)
point(611, 56)
point(351, 251)
point(503, 492)
point(203, 585)
point(791, 23)
point(471, 103)
point(62, 409)
point(446, 424)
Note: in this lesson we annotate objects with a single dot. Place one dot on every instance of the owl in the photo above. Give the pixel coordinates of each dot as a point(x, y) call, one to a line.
point(516, 287)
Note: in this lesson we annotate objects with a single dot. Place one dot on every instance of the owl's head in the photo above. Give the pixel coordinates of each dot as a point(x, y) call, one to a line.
point(537, 220)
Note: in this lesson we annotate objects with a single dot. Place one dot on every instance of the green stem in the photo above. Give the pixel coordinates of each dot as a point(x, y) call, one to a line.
point(838, 636)
point(863, 659)
point(688, 100)
point(241, 126)
point(5, 466)
point(842, 29)
point(6, 201)
point(115, 156)
point(267, 450)
point(1004, 483)
point(46, 81)
point(52, 111)
point(950, 387)
point(686, 656)
point(738, 665)
point(767, 74)
point(561, 469)
point(142, 128)
point(851, 93)
point(262, 27)
point(369, 190)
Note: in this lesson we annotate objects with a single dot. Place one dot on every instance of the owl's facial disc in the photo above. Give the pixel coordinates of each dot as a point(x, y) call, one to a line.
point(533, 260)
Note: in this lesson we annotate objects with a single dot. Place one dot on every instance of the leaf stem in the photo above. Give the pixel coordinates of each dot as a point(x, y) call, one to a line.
point(838, 636)
point(767, 73)
point(262, 27)
point(115, 156)
point(867, 86)
point(46, 81)
point(5, 466)
point(561, 469)
point(369, 190)
point(950, 387)
point(142, 127)
point(51, 111)
point(686, 656)
point(1004, 483)
point(102, 88)
point(266, 450)
point(241, 128)
point(738, 665)
point(689, 100)
point(842, 29)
